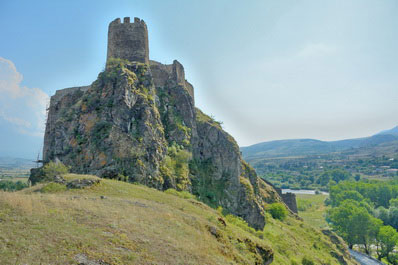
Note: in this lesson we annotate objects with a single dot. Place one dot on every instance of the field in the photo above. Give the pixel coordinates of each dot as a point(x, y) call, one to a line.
point(308, 169)
point(15, 167)
point(122, 223)
point(312, 209)
point(15, 172)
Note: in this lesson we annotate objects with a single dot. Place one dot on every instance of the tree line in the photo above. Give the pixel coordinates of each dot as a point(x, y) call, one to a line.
point(8, 185)
point(366, 213)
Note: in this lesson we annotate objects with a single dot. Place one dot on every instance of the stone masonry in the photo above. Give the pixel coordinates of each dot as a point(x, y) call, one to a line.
point(128, 41)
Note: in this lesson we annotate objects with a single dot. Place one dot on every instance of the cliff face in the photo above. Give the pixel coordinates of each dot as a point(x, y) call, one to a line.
point(138, 122)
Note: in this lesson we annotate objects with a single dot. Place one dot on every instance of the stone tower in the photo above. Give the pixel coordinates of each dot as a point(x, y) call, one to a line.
point(128, 40)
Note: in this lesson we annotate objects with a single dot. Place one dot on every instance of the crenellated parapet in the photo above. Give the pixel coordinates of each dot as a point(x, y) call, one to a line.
point(128, 40)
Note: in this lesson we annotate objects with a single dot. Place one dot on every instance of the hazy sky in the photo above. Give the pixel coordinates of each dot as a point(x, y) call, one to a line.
point(267, 69)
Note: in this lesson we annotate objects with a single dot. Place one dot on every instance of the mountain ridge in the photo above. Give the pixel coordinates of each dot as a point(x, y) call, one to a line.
point(298, 147)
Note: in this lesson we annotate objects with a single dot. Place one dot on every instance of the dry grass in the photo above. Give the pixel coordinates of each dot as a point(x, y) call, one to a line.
point(134, 225)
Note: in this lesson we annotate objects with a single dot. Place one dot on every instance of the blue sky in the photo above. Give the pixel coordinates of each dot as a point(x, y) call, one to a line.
point(267, 69)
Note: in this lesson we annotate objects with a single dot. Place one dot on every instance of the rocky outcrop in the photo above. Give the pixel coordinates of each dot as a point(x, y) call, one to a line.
point(81, 183)
point(343, 256)
point(111, 128)
point(138, 122)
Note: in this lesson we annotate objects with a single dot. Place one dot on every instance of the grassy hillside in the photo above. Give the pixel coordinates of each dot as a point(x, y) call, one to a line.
point(121, 223)
point(312, 209)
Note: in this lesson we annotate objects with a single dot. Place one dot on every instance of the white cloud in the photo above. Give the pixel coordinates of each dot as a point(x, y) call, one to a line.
point(21, 106)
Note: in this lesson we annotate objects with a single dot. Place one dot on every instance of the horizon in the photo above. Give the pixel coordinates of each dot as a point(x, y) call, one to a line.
point(240, 146)
point(328, 141)
point(329, 76)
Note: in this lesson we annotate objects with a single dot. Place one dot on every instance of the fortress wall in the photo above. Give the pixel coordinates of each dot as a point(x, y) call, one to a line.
point(128, 40)
point(59, 94)
point(163, 73)
point(160, 73)
point(288, 198)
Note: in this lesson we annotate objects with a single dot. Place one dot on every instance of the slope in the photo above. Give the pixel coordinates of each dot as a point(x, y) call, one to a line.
point(115, 222)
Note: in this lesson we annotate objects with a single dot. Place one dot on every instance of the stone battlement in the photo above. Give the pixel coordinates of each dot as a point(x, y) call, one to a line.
point(128, 41)
point(126, 20)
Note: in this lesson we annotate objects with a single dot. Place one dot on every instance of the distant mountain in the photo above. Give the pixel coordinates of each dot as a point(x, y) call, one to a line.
point(13, 163)
point(393, 131)
point(301, 147)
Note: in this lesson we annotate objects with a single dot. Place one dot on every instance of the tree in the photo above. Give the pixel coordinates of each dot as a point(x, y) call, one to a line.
point(339, 175)
point(387, 239)
point(8, 185)
point(394, 203)
point(384, 193)
point(352, 221)
point(383, 214)
point(364, 227)
point(357, 177)
point(339, 216)
point(339, 193)
point(393, 217)
point(323, 180)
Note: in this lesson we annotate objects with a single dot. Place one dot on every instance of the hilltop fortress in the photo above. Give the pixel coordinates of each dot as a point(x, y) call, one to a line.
point(129, 41)
point(138, 122)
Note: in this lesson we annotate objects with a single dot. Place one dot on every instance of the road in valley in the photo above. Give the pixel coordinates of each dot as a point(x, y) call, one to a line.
point(364, 259)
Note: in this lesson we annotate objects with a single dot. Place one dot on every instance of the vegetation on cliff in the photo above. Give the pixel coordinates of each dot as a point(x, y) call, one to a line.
point(130, 126)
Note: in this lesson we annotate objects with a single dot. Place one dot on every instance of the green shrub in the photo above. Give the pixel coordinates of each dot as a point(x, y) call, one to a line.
point(122, 177)
point(278, 211)
point(239, 222)
point(53, 188)
point(307, 261)
point(116, 63)
point(53, 169)
point(100, 132)
point(175, 168)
